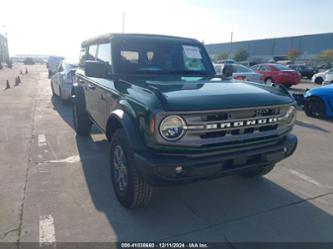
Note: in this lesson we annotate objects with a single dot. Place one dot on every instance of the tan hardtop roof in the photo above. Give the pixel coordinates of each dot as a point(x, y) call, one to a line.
point(108, 37)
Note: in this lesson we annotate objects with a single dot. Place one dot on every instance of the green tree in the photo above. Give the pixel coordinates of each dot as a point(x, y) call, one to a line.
point(326, 57)
point(293, 54)
point(241, 55)
point(221, 56)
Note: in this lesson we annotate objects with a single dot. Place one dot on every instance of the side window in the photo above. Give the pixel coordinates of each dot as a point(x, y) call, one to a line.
point(130, 56)
point(92, 52)
point(83, 56)
point(60, 68)
point(235, 69)
point(104, 53)
point(255, 68)
point(263, 68)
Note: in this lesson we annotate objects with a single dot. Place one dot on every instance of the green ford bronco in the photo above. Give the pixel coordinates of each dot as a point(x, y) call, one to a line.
point(170, 119)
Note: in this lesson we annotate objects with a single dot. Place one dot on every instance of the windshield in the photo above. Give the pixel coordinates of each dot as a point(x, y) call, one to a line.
point(141, 56)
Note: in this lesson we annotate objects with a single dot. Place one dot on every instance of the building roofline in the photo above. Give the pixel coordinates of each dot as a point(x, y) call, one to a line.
point(273, 38)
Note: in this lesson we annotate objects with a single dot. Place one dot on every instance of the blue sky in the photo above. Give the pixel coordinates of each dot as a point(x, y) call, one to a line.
point(58, 26)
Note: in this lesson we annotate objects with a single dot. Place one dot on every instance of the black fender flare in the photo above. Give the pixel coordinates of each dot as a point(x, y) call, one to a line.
point(122, 119)
point(79, 98)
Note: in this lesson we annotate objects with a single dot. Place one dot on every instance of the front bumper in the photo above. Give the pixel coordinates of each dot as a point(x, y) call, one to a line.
point(160, 170)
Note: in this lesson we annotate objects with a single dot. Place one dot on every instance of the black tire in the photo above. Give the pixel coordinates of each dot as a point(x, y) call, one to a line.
point(319, 80)
point(52, 89)
point(314, 107)
point(259, 172)
point(82, 123)
point(63, 100)
point(130, 187)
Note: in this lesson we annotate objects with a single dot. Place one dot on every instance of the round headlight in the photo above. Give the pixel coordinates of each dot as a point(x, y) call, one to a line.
point(172, 128)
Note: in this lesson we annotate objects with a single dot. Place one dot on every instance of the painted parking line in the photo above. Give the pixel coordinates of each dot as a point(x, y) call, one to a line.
point(41, 140)
point(304, 177)
point(46, 231)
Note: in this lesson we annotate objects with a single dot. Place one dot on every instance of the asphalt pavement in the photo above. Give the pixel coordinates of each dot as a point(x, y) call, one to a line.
point(55, 186)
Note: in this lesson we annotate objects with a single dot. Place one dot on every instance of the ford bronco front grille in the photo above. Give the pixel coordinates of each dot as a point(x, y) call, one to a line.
point(241, 125)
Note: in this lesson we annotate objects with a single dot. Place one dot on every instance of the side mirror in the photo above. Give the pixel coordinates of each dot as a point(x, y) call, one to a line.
point(227, 70)
point(95, 69)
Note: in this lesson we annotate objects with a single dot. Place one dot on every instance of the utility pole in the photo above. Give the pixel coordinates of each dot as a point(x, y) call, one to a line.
point(123, 22)
point(231, 38)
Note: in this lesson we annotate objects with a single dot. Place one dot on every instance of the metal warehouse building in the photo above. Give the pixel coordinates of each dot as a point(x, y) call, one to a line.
point(4, 54)
point(266, 49)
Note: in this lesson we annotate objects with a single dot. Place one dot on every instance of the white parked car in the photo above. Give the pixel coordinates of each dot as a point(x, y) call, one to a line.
point(240, 72)
point(322, 77)
point(53, 63)
point(328, 79)
point(62, 81)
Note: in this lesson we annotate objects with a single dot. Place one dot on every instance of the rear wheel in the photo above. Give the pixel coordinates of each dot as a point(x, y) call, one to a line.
point(130, 187)
point(319, 80)
point(81, 121)
point(269, 81)
point(259, 172)
point(314, 107)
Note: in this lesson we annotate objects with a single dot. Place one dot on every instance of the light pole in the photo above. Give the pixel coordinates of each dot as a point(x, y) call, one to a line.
point(231, 38)
point(123, 22)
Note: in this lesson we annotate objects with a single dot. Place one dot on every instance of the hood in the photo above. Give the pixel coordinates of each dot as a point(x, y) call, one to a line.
point(218, 94)
point(321, 91)
point(322, 74)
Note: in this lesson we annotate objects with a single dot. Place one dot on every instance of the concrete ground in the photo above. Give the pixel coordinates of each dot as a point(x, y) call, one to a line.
point(55, 186)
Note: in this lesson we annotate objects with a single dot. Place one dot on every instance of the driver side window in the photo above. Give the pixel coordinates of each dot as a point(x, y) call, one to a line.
point(60, 68)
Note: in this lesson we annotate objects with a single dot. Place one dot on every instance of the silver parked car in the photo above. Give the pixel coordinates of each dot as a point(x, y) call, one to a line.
point(241, 72)
point(62, 81)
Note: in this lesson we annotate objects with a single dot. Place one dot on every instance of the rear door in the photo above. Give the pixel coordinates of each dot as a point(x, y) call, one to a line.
point(102, 94)
point(89, 86)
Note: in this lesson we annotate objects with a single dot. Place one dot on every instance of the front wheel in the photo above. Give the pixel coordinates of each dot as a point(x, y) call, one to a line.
point(314, 107)
point(64, 101)
point(269, 81)
point(319, 80)
point(130, 187)
point(81, 121)
point(259, 172)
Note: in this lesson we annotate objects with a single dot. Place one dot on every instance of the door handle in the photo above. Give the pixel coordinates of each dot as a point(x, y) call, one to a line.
point(80, 81)
point(92, 87)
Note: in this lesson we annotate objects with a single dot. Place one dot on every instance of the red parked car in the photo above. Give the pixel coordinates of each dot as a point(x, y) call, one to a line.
point(279, 74)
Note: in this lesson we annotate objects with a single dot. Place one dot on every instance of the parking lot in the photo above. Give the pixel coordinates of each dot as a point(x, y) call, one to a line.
point(55, 186)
